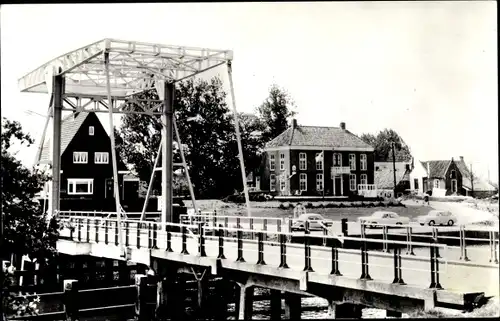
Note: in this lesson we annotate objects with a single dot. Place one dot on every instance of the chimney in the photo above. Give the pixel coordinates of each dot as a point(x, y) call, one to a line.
point(342, 125)
point(294, 123)
point(461, 158)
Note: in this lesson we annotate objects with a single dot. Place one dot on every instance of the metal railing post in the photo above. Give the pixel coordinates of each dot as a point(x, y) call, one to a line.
point(96, 226)
point(168, 229)
point(495, 242)
point(155, 236)
point(384, 235)
point(240, 246)
point(325, 233)
point(278, 225)
point(260, 245)
point(436, 262)
point(433, 275)
point(106, 232)
point(221, 244)
point(116, 232)
point(409, 248)
point(127, 234)
point(72, 229)
point(435, 238)
point(88, 229)
point(282, 238)
point(365, 275)
point(226, 225)
point(201, 240)
point(307, 249)
point(398, 274)
point(335, 260)
point(238, 226)
point(264, 225)
point(150, 241)
point(251, 228)
point(184, 240)
point(78, 221)
point(289, 236)
point(138, 234)
point(463, 244)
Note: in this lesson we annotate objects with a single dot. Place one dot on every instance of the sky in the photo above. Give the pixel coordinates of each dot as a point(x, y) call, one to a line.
point(425, 69)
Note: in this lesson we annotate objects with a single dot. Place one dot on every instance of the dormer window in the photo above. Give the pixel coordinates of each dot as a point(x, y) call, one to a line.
point(91, 130)
point(80, 157)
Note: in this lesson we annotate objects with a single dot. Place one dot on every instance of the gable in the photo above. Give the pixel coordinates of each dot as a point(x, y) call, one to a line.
point(436, 168)
point(70, 127)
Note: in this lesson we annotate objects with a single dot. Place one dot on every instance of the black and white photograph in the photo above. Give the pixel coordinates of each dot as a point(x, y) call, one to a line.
point(249, 161)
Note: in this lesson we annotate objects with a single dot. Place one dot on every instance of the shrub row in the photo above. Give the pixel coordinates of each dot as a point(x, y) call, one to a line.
point(287, 205)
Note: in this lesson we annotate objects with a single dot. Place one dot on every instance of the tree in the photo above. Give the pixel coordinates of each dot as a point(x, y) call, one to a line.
point(382, 143)
point(275, 112)
point(206, 128)
point(24, 224)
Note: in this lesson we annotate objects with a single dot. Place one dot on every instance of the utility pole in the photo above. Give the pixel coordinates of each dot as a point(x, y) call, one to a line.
point(394, 168)
point(472, 180)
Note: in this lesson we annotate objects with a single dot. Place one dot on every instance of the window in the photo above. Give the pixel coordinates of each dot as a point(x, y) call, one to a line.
point(272, 185)
point(352, 161)
point(91, 130)
point(352, 182)
point(337, 159)
point(282, 184)
point(319, 161)
point(272, 163)
point(81, 186)
point(363, 162)
point(453, 174)
point(436, 183)
point(319, 182)
point(415, 182)
point(364, 179)
point(454, 186)
point(302, 161)
point(282, 161)
point(303, 182)
point(101, 158)
point(80, 157)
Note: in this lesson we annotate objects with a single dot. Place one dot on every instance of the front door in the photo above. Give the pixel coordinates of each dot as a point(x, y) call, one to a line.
point(257, 183)
point(454, 186)
point(337, 186)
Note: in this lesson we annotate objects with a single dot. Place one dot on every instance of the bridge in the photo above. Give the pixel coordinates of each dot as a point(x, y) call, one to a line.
point(353, 277)
point(348, 270)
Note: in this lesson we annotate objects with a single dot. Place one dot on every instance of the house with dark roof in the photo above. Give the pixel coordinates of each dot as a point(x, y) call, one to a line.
point(317, 161)
point(439, 177)
point(384, 178)
point(473, 185)
point(86, 166)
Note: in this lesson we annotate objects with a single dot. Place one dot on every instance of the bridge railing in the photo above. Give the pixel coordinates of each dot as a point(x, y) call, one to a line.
point(478, 235)
point(276, 247)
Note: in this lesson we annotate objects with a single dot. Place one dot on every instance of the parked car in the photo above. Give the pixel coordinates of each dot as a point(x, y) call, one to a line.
point(436, 217)
point(383, 217)
point(316, 222)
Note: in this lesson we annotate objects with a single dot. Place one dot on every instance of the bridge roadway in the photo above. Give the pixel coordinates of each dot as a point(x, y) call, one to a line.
point(460, 280)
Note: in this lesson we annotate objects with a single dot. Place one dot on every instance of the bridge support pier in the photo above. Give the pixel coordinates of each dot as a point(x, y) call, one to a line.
point(245, 303)
point(275, 304)
point(344, 310)
point(293, 307)
point(393, 314)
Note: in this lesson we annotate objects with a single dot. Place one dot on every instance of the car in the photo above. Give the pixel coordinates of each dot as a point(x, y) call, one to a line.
point(436, 217)
point(316, 222)
point(383, 217)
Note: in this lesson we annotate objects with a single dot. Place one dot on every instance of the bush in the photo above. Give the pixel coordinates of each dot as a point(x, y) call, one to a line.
point(341, 205)
point(320, 205)
point(308, 205)
point(281, 206)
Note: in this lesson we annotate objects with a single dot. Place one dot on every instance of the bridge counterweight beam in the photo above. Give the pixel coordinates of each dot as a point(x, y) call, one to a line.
point(167, 159)
point(246, 303)
point(58, 90)
point(293, 306)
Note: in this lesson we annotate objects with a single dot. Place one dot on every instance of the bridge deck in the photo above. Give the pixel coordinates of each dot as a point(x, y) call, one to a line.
point(455, 276)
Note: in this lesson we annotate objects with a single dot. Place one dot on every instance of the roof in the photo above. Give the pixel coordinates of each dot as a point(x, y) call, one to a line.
point(134, 67)
point(69, 127)
point(317, 136)
point(384, 174)
point(437, 168)
point(479, 184)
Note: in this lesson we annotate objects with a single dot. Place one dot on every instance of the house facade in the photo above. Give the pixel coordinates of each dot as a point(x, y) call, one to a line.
point(316, 161)
point(476, 186)
point(384, 178)
point(86, 166)
point(442, 177)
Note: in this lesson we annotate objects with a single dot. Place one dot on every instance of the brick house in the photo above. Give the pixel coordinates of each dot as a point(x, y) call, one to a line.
point(384, 178)
point(86, 166)
point(442, 177)
point(316, 161)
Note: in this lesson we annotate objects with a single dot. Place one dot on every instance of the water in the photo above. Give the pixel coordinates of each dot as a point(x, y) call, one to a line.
point(316, 308)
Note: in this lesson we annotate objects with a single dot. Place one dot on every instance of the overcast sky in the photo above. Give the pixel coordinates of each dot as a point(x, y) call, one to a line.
point(427, 70)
